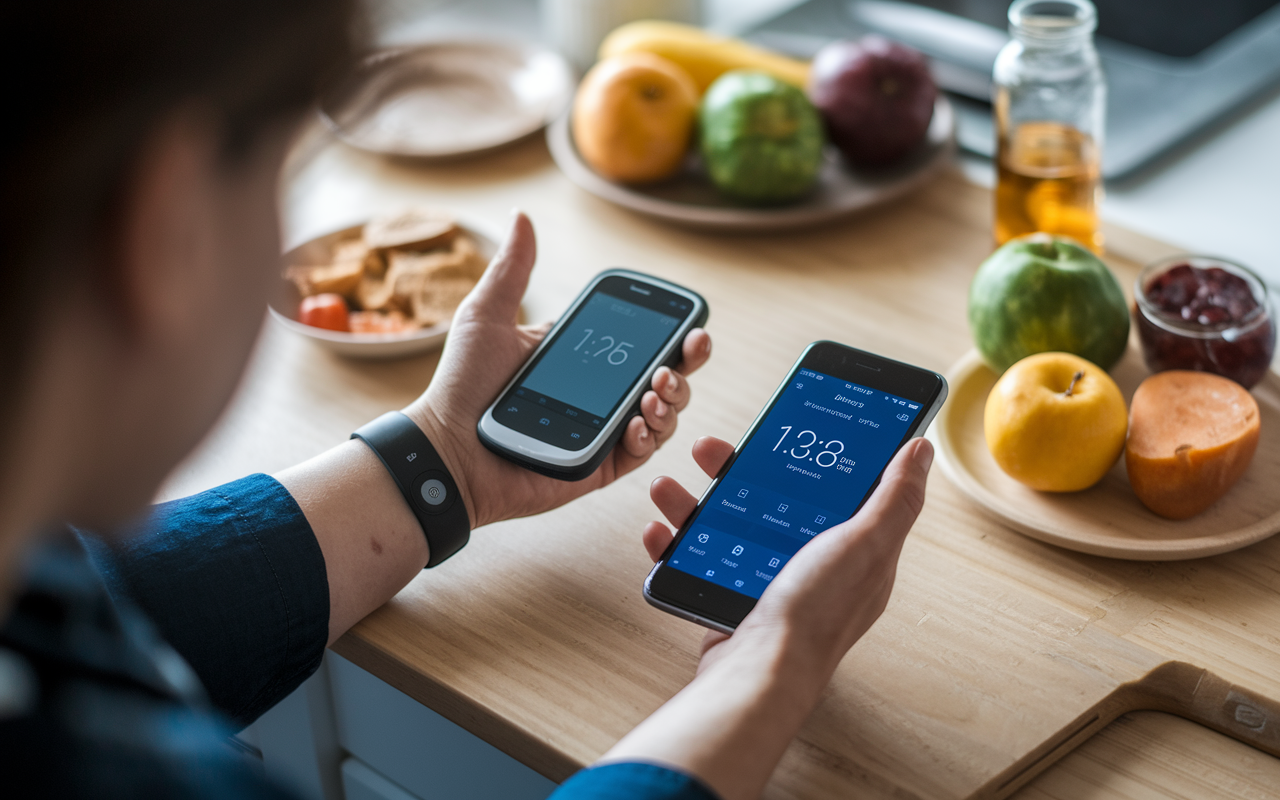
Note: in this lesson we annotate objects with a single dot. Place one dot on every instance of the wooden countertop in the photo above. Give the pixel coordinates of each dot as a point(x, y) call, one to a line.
point(997, 655)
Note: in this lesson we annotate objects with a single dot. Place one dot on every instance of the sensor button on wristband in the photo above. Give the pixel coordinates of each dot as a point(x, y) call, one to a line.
point(431, 492)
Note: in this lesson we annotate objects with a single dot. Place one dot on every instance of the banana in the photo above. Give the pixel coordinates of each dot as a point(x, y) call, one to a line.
point(703, 55)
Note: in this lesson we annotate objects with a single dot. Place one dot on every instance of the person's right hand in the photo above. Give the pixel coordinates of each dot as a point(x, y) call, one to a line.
point(830, 592)
point(730, 726)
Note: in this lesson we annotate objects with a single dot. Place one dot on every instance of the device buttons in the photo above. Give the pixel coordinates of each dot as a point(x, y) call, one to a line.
point(546, 420)
point(433, 492)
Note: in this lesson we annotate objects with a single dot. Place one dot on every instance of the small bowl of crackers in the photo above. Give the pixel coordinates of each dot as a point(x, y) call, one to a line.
point(384, 289)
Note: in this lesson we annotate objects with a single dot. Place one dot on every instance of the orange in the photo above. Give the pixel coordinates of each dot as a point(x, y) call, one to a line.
point(633, 117)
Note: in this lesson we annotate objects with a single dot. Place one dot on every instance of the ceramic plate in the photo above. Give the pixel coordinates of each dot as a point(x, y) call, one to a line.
point(360, 345)
point(690, 199)
point(447, 98)
point(1108, 519)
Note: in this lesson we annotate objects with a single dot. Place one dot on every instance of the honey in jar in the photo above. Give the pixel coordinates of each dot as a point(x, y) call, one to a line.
point(1049, 99)
point(1048, 179)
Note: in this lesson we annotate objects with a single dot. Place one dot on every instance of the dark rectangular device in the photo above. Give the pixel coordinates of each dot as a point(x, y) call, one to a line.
point(1173, 67)
point(809, 461)
point(570, 403)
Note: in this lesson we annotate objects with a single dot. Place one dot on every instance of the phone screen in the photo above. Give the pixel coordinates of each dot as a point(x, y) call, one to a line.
point(810, 464)
point(566, 395)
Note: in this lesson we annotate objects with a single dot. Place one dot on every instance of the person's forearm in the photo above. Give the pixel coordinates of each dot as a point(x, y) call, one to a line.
point(372, 543)
point(730, 726)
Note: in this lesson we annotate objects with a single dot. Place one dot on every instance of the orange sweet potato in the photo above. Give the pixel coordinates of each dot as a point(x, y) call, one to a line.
point(1191, 436)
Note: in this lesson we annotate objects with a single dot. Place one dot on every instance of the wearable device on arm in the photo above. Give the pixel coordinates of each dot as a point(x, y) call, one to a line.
point(424, 480)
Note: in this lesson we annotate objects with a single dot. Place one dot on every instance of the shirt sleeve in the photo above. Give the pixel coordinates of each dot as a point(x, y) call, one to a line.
point(632, 781)
point(235, 581)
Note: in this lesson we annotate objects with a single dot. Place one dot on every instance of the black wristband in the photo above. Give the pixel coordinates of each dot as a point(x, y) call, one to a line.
point(423, 479)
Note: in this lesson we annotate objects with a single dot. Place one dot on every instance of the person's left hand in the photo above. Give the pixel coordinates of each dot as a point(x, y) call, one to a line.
point(484, 349)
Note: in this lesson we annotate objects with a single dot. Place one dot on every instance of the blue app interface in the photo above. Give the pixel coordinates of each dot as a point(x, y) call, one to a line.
point(808, 467)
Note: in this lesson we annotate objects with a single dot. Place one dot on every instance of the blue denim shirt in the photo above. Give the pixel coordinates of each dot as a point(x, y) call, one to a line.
point(125, 667)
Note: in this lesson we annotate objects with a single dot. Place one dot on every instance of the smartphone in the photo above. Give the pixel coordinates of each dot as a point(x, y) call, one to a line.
point(570, 403)
point(809, 461)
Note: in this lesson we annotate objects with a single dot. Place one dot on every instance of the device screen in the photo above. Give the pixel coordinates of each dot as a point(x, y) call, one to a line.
point(809, 466)
point(566, 396)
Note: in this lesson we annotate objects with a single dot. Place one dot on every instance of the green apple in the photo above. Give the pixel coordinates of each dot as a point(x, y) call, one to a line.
point(1040, 293)
point(761, 138)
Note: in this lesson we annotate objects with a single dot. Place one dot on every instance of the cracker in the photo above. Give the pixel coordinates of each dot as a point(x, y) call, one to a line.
point(341, 278)
point(437, 299)
point(416, 229)
point(405, 273)
point(350, 250)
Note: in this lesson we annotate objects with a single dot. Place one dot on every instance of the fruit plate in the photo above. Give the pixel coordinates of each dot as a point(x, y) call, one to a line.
point(1107, 519)
point(359, 345)
point(691, 200)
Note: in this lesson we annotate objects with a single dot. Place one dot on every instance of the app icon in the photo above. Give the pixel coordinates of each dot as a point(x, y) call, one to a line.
point(512, 409)
point(773, 562)
point(782, 507)
point(738, 584)
point(702, 537)
point(742, 493)
point(711, 573)
point(737, 549)
point(820, 519)
point(574, 436)
point(903, 417)
point(544, 421)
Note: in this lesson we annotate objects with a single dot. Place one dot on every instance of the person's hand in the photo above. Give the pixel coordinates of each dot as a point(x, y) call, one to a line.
point(831, 592)
point(484, 349)
point(754, 689)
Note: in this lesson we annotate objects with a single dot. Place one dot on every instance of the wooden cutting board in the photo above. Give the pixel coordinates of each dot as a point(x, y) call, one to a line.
point(997, 655)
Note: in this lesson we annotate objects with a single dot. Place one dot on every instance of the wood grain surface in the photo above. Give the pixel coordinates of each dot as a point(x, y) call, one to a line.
point(1148, 755)
point(998, 654)
point(1107, 519)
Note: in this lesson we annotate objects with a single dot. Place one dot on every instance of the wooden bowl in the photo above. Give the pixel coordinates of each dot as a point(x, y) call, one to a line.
point(1107, 519)
point(359, 345)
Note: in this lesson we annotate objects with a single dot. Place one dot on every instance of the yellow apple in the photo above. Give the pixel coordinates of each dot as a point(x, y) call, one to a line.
point(1055, 422)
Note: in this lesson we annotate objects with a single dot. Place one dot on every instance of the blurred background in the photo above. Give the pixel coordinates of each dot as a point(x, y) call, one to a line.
point(1203, 179)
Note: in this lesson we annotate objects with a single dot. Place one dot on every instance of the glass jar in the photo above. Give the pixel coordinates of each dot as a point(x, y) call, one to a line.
point(1206, 314)
point(1050, 108)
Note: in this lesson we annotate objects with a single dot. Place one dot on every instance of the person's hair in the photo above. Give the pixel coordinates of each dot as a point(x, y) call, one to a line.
point(85, 82)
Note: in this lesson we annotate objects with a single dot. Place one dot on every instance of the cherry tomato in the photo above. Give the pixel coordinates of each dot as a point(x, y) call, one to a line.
point(327, 311)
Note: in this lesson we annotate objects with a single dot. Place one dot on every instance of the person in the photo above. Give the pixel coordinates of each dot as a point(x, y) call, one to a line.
point(138, 245)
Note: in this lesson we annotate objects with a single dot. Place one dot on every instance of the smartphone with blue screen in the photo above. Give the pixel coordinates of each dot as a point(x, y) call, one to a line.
point(809, 461)
point(566, 408)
